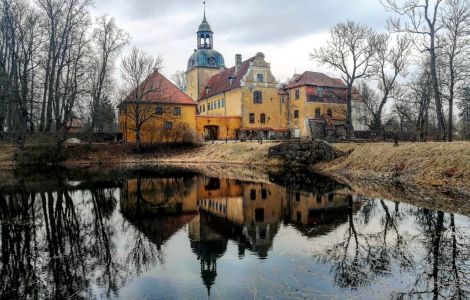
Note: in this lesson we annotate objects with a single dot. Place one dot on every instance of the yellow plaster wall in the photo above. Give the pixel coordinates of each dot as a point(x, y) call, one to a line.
point(272, 107)
point(307, 110)
point(228, 126)
point(153, 130)
point(232, 104)
point(196, 80)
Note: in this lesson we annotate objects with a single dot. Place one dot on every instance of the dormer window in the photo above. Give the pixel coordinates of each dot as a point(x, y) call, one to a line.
point(208, 89)
point(232, 79)
point(259, 77)
point(211, 61)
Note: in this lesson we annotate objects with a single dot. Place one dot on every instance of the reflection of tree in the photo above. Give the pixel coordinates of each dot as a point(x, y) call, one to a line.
point(431, 247)
point(54, 243)
point(142, 252)
point(362, 256)
point(443, 271)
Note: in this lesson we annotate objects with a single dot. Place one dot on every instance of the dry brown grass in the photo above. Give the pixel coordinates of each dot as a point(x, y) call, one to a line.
point(426, 164)
point(248, 153)
point(7, 152)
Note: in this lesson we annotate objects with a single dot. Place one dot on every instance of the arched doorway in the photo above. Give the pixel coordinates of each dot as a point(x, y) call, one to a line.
point(211, 132)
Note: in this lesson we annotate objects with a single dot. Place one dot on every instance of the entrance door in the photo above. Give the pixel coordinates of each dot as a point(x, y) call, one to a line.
point(211, 132)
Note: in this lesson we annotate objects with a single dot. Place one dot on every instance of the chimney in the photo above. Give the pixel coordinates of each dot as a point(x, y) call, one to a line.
point(238, 63)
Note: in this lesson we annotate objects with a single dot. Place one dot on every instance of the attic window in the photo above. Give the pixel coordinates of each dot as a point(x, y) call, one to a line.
point(208, 89)
point(259, 78)
point(231, 79)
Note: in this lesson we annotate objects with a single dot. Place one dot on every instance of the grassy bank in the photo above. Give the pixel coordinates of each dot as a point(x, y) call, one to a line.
point(421, 164)
point(242, 153)
point(441, 165)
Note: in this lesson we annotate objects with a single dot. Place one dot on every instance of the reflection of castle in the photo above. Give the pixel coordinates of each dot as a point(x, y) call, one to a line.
point(218, 210)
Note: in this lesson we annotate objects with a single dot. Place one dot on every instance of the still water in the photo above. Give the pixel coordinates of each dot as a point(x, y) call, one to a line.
point(178, 234)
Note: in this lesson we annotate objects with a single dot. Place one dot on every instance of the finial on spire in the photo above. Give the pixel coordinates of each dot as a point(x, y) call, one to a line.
point(204, 2)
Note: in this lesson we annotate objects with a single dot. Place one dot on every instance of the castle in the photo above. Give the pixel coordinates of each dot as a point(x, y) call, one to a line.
point(243, 102)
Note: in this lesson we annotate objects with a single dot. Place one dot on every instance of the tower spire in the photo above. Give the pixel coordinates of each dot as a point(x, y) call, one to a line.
point(204, 2)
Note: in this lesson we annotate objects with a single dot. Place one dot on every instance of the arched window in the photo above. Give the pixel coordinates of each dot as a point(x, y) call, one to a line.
point(252, 118)
point(262, 118)
point(201, 40)
point(257, 97)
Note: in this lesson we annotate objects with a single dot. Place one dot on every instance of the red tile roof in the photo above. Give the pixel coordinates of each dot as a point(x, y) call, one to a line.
point(220, 83)
point(316, 79)
point(164, 91)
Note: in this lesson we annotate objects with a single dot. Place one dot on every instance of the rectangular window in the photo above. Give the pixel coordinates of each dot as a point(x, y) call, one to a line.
point(259, 215)
point(311, 98)
point(319, 91)
point(253, 194)
point(331, 197)
point(297, 94)
point(159, 110)
point(260, 78)
point(203, 108)
point(317, 112)
point(296, 114)
point(257, 97)
point(264, 194)
point(223, 102)
point(168, 125)
point(177, 111)
point(218, 104)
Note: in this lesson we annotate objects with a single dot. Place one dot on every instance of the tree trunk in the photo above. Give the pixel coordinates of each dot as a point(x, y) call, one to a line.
point(437, 94)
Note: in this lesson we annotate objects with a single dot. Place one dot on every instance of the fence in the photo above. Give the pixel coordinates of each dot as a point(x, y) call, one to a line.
point(43, 137)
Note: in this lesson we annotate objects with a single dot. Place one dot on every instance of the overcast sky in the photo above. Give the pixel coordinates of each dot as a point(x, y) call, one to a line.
point(286, 31)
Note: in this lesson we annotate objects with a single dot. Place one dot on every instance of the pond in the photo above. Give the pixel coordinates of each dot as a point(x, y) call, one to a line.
point(173, 233)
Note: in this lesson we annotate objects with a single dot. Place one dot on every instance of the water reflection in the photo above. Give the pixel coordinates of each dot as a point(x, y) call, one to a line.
point(87, 240)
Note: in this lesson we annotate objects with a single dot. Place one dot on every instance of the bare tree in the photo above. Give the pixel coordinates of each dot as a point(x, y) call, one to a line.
point(349, 50)
point(179, 79)
point(136, 69)
point(455, 48)
point(389, 62)
point(464, 106)
point(108, 42)
point(413, 104)
point(423, 18)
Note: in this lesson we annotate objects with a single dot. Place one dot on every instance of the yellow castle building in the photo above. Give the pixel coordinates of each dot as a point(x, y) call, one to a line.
point(241, 102)
point(246, 100)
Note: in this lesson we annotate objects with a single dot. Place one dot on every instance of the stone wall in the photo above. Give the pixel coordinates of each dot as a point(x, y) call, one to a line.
point(304, 153)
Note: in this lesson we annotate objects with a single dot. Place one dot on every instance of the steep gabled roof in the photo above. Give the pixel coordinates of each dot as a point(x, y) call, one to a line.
point(220, 83)
point(315, 79)
point(164, 91)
